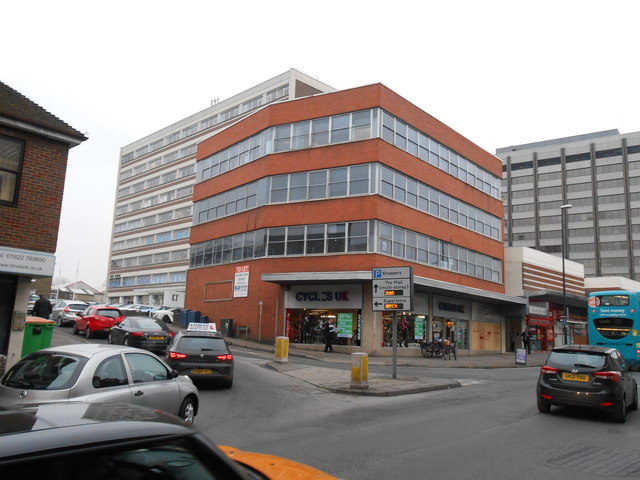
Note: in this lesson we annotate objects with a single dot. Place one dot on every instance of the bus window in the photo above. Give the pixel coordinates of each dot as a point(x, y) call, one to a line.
point(613, 328)
point(614, 300)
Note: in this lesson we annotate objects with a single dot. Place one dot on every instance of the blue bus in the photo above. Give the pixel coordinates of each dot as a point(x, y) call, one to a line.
point(614, 321)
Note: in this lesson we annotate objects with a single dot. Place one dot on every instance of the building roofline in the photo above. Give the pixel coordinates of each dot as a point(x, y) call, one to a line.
point(558, 141)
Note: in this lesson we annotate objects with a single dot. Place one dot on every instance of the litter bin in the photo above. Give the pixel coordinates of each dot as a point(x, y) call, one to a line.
point(37, 334)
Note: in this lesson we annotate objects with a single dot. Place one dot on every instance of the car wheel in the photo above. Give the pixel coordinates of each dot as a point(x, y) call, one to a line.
point(227, 383)
point(75, 330)
point(87, 332)
point(58, 321)
point(634, 404)
point(166, 319)
point(543, 407)
point(187, 410)
point(620, 412)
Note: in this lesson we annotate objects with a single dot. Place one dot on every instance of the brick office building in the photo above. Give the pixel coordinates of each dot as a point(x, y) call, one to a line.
point(34, 146)
point(297, 203)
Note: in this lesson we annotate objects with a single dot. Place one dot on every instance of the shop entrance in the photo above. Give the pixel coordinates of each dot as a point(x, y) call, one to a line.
point(305, 325)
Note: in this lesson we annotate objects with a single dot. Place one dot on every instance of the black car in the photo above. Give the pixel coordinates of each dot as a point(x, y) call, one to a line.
point(201, 356)
point(118, 441)
point(142, 332)
point(587, 376)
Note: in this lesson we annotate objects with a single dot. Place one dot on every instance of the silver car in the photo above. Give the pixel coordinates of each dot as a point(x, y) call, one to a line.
point(99, 373)
point(65, 311)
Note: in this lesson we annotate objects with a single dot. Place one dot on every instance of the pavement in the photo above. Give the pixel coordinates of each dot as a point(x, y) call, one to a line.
point(331, 376)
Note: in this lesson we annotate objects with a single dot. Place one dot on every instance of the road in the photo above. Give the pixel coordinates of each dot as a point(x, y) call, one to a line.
point(490, 428)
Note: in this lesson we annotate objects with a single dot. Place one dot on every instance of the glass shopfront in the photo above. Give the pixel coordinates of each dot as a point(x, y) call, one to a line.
point(412, 329)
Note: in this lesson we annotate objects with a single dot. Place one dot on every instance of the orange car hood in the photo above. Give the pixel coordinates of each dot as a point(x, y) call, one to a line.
point(275, 468)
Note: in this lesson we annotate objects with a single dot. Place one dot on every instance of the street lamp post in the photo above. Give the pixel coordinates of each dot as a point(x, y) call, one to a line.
point(563, 209)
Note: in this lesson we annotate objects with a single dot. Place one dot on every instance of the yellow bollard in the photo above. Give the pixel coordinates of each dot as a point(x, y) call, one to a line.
point(359, 370)
point(282, 349)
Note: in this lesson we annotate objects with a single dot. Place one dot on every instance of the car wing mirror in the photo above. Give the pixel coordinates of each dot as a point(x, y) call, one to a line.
point(174, 373)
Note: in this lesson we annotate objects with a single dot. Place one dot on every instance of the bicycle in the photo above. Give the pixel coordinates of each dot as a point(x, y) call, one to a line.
point(433, 349)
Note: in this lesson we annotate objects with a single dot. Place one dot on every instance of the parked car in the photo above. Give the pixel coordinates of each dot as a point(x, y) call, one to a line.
point(33, 298)
point(587, 376)
point(93, 372)
point(97, 319)
point(202, 355)
point(166, 314)
point(141, 332)
point(108, 441)
point(65, 311)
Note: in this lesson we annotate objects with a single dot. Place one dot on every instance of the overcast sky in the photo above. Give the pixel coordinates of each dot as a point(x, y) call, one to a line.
point(499, 72)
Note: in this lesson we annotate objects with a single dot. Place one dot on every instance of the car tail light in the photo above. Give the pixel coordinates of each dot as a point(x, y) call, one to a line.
point(548, 369)
point(66, 309)
point(546, 397)
point(613, 376)
point(172, 334)
point(177, 355)
point(606, 404)
point(225, 358)
point(136, 334)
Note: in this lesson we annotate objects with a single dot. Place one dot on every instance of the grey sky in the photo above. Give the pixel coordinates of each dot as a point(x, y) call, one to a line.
point(498, 72)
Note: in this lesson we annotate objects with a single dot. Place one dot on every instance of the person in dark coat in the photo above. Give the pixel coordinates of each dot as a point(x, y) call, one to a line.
point(526, 340)
point(42, 307)
point(329, 331)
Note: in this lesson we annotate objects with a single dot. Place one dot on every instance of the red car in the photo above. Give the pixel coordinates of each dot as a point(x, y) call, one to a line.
point(97, 319)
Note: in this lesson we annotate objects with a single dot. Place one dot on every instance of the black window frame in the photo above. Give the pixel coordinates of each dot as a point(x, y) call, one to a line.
point(18, 173)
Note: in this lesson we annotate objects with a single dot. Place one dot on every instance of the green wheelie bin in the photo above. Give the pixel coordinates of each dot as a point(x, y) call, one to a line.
point(37, 334)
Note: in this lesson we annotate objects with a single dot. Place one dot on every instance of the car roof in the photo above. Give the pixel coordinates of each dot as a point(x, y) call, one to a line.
point(583, 348)
point(25, 430)
point(90, 349)
point(195, 333)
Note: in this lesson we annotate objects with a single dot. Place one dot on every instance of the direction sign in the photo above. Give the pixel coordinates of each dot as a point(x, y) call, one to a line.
point(392, 289)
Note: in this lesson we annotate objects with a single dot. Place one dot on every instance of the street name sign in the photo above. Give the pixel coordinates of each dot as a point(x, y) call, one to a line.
point(392, 289)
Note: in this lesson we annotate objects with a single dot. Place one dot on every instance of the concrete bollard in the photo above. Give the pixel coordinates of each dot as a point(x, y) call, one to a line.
point(359, 371)
point(282, 349)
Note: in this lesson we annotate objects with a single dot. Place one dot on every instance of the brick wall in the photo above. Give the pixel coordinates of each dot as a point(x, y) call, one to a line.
point(33, 223)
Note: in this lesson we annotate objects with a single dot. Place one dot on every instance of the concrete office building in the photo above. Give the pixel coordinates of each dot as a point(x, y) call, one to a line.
point(298, 202)
point(153, 209)
point(598, 174)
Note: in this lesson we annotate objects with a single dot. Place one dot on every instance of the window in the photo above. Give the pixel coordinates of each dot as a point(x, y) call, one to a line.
point(110, 373)
point(11, 152)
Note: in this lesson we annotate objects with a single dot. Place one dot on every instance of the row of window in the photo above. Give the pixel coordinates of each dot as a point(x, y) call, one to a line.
point(349, 127)
point(154, 239)
point(349, 237)
point(209, 122)
point(154, 219)
point(156, 181)
point(159, 199)
point(152, 259)
point(155, 279)
point(157, 162)
point(578, 157)
point(348, 181)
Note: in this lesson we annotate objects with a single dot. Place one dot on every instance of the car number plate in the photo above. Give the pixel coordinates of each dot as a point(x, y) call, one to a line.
point(156, 338)
point(575, 377)
point(201, 371)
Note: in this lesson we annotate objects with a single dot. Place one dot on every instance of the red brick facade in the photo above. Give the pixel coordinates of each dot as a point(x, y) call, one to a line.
point(33, 223)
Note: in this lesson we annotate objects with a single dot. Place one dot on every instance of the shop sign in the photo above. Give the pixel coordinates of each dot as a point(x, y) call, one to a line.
point(26, 262)
point(241, 282)
point(537, 310)
point(419, 328)
point(324, 296)
point(451, 308)
point(345, 325)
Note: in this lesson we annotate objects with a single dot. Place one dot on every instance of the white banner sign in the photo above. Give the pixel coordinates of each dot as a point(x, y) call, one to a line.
point(27, 262)
point(241, 282)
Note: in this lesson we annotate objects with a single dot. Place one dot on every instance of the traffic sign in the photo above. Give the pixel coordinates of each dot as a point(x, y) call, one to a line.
point(392, 289)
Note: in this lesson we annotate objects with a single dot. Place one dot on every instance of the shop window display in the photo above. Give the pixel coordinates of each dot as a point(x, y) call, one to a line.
point(305, 325)
point(411, 330)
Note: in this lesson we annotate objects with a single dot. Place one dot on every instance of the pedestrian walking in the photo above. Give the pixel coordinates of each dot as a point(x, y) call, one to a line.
point(526, 340)
point(42, 307)
point(329, 331)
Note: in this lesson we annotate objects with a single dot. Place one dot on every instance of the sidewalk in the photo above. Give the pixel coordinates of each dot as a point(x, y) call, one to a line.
point(337, 380)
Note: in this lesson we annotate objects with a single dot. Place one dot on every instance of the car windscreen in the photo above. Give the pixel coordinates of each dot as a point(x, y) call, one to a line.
point(202, 344)
point(108, 312)
point(568, 360)
point(45, 371)
point(77, 306)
